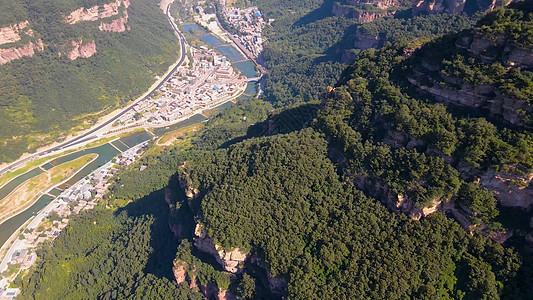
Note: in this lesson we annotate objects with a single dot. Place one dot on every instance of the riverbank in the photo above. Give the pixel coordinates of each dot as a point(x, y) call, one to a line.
point(29, 192)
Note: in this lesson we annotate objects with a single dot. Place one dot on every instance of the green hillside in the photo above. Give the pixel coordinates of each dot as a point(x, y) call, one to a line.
point(42, 97)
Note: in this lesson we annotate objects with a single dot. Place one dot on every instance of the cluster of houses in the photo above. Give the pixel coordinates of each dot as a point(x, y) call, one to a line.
point(49, 223)
point(210, 79)
point(250, 23)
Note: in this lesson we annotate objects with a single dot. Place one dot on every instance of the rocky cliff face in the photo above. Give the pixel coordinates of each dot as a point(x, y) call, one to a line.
point(373, 187)
point(489, 50)
point(436, 7)
point(356, 9)
point(365, 41)
point(453, 6)
point(72, 49)
point(28, 50)
point(116, 25)
point(96, 12)
point(77, 49)
point(208, 289)
point(510, 190)
point(354, 13)
point(11, 34)
point(231, 260)
point(382, 4)
point(429, 78)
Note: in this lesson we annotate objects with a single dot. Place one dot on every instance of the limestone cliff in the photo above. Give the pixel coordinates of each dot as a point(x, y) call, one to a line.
point(430, 76)
point(365, 41)
point(28, 50)
point(381, 4)
point(96, 12)
point(72, 49)
point(511, 190)
point(361, 16)
point(454, 6)
point(77, 49)
point(116, 25)
point(11, 34)
point(231, 260)
point(361, 41)
point(374, 187)
point(366, 10)
point(276, 285)
point(182, 275)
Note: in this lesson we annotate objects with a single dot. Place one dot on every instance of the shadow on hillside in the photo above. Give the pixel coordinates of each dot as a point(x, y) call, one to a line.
point(286, 121)
point(334, 53)
point(320, 13)
point(347, 42)
point(162, 241)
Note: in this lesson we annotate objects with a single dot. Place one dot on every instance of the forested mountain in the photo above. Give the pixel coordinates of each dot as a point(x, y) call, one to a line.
point(387, 188)
point(310, 41)
point(61, 60)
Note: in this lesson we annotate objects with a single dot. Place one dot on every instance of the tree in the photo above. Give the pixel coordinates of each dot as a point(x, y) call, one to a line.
point(246, 288)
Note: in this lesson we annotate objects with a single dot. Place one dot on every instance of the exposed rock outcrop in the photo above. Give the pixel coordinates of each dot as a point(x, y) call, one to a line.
point(185, 183)
point(348, 57)
point(407, 206)
point(28, 50)
point(518, 57)
point(225, 295)
point(454, 6)
point(11, 34)
point(208, 289)
point(382, 4)
point(510, 190)
point(360, 15)
point(96, 12)
point(500, 236)
point(357, 9)
point(430, 79)
point(77, 49)
point(483, 97)
point(436, 7)
point(365, 41)
point(180, 271)
point(277, 286)
point(116, 25)
point(230, 260)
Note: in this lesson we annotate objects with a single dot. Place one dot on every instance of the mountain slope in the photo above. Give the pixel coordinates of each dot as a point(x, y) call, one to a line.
point(278, 203)
point(87, 56)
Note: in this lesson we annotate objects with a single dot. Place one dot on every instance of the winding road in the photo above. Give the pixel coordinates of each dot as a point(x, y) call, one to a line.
point(87, 135)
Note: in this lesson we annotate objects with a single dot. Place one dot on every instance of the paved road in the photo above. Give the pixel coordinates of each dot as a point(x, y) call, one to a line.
point(83, 137)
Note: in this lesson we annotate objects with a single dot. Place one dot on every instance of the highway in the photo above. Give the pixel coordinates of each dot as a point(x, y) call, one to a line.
point(84, 137)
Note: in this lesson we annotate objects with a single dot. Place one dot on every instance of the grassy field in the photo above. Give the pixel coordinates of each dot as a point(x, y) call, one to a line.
point(34, 163)
point(28, 166)
point(172, 136)
point(26, 194)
